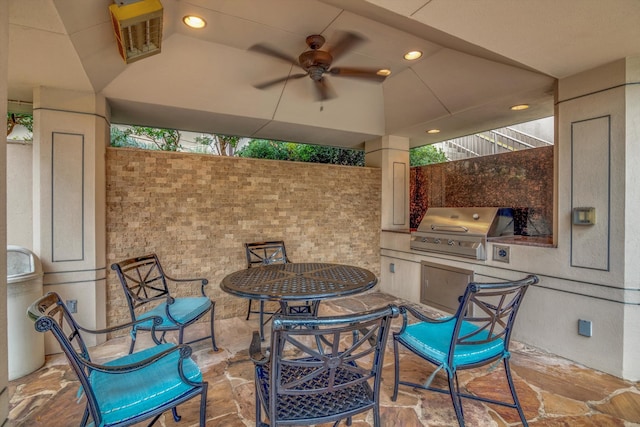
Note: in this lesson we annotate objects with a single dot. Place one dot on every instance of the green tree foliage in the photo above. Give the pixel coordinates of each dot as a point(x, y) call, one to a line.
point(265, 149)
point(331, 155)
point(169, 140)
point(122, 138)
point(146, 137)
point(14, 119)
point(221, 144)
point(278, 150)
point(163, 139)
point(426, 155)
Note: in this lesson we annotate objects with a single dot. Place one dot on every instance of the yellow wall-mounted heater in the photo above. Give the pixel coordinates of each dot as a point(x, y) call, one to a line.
point(138, 28)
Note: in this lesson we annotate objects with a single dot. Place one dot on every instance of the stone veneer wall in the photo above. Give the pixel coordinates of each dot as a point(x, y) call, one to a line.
point(522, 180)
point(196, 211)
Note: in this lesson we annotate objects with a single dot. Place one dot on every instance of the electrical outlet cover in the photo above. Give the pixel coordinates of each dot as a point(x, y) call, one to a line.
point(501, 253)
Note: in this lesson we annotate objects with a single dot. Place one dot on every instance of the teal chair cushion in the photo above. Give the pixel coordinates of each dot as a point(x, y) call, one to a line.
point(143, 390)
point(184, 310)
point(432, 341)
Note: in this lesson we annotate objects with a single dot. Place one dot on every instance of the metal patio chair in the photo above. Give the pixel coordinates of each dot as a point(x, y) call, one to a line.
point(477, 335)
point(145, 285)
point(129, 389)
point(266, 253)
point(298, 383)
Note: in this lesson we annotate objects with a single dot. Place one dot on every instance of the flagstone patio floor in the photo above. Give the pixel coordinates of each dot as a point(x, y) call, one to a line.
point(554, 392)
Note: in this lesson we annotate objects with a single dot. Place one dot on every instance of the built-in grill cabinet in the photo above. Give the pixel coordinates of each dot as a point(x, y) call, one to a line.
point(461, 231)
point(441, 286)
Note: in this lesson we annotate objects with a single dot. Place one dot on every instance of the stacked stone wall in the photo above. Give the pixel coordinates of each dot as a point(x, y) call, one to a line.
point(196, 211)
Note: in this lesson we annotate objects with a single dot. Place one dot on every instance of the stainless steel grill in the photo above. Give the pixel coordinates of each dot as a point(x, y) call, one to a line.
point(461, 231)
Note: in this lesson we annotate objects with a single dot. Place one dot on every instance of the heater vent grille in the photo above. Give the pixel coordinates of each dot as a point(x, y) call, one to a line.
point(138, 29)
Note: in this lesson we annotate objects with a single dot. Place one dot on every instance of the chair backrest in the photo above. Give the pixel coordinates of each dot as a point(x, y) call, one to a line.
point(487, 313)
point(142, 279)
point(335, 353)
point(50, 314)
point(263, 253)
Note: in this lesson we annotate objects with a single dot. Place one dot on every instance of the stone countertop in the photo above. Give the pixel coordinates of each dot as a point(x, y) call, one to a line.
point(543, 241)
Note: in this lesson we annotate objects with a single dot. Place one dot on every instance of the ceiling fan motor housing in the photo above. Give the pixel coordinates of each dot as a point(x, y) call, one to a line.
point(315, 59)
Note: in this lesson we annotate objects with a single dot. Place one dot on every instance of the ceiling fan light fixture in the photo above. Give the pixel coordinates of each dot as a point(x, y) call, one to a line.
point(384, 72)
point(433, 131)
point(138, 28)
point(193, 21)
point(412, 55)
point(519, 107)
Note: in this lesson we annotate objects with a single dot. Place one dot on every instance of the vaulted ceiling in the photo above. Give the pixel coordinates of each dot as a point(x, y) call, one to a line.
point(480, 58)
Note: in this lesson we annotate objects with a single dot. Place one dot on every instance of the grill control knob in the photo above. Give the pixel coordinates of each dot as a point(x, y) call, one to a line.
point(476, 216)
point(436, 241)
point(451, 242)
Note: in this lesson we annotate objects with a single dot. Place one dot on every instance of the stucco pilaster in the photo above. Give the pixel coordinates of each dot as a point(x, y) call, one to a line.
point(71, 131)
point(391, 154)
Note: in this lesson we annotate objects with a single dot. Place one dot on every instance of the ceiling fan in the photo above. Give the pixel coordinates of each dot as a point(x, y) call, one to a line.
point(316, 63)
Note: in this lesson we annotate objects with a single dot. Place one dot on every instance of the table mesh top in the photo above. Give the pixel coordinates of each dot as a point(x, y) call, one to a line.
point(298, 281)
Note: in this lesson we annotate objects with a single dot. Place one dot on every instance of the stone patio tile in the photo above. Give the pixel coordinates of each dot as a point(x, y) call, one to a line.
point(556, 405)
point(494, 386)
point(625, 405)
point(598, 420)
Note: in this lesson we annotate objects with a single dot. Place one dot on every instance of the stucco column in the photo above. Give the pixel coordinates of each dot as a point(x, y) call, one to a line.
point(70, 134)
point(598, 155)
point(391, 154)
point(4, 72)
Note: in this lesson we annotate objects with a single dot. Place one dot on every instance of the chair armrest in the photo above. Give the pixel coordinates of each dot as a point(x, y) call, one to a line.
point(255, 352)
point(420, 316)
point(203, 282)
point(157, 320)
point(185, 352)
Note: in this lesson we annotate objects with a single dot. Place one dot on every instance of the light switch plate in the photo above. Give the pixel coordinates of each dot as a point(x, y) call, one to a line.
point(501, 253)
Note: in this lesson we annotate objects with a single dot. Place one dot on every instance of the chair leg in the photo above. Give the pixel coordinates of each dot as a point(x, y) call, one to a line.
point(203, 405)
point(213, 335)
point(376, 416)
point(249, 309)
point(85, 417)
point(512, 389)
point(262, 320)
point(258, 405)
point(174, 412)
point(455, 398)
point(396, 369)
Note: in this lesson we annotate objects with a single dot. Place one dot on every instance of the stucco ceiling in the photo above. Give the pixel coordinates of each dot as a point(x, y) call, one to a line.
point(481, 57)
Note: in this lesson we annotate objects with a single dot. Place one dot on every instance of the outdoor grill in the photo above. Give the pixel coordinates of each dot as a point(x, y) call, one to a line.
point(461, 231)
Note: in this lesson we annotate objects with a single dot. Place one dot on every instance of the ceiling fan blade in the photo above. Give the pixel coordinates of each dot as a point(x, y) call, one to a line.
point(266, 50)
point(360, 73)
point(346, 42)
point(324, 90)
point(269, 83)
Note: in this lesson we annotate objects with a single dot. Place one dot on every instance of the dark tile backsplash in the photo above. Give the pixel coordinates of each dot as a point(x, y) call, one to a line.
point(522, 180)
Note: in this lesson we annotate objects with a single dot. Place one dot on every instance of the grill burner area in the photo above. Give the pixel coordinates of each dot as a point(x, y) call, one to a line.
point(461, 231)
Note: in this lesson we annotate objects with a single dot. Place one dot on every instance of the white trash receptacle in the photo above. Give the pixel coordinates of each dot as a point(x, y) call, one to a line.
point(24, 286)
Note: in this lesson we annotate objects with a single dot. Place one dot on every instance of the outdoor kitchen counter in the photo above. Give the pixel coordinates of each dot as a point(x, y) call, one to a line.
point(542, 241)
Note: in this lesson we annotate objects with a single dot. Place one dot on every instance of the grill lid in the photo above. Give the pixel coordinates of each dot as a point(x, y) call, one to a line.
point(483, 221)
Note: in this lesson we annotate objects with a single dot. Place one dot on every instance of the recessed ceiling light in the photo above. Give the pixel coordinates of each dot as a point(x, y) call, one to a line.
point(413, 55)
point(520, 107)
point(194, 21)
point(384, 72)
point(433, 131)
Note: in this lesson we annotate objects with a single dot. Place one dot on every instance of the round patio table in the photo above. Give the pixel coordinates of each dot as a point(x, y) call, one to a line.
point(307, 281)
